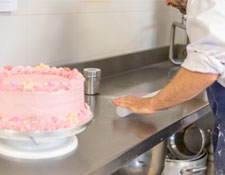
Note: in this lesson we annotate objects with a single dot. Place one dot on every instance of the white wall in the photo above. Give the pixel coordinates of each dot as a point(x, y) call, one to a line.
point(71, 31)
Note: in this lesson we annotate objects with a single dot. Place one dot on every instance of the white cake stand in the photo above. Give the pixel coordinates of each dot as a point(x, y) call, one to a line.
point(39, 145)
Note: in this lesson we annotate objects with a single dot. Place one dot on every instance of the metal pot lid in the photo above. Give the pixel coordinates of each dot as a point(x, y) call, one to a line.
point(92, 72)
point(201, 156)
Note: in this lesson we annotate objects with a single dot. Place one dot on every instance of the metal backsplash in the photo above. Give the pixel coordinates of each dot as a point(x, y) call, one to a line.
point(118, 64)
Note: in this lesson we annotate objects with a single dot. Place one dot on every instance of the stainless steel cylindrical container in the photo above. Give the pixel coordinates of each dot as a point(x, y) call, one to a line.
point(92, 80)
point(186, 167)
point(138, 166)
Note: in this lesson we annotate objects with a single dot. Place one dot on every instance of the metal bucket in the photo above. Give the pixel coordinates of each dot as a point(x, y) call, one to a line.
point(151, 162)
point(186, 167)
point(138, 166)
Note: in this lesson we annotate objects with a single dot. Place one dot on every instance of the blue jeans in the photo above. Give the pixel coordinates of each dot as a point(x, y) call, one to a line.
point(216, 96)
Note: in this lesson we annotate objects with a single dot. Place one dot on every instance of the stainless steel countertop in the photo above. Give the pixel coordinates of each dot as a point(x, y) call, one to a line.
point(110, 142)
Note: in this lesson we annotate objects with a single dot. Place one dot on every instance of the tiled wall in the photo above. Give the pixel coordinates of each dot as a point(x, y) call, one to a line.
point(71, 31)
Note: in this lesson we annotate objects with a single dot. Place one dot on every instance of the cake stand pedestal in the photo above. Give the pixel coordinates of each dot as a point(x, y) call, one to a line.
point(32, 150)
point(40, 144)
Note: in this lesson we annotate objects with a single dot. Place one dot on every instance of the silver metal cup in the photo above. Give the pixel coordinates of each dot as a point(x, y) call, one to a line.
point(92, 80)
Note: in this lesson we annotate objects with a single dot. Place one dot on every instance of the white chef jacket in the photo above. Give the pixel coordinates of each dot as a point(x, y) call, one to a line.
point(206, 31)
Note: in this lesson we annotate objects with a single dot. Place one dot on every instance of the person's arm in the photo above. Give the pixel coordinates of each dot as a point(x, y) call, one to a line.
point(183, 87)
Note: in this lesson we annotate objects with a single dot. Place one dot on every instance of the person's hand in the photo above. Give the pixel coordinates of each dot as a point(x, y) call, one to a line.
point(135, 105)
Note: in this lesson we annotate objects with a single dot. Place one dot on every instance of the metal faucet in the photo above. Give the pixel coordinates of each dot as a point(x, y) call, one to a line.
point(181, 25)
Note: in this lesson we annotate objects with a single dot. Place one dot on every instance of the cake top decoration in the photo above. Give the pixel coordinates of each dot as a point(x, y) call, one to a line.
point(41, 66)
point(41, 78)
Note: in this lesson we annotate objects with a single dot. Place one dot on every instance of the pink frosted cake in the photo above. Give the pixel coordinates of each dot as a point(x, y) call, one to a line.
point(41, 98)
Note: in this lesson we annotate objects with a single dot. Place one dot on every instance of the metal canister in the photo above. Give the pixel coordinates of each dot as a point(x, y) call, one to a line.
point(195, 166)
point(92, 80)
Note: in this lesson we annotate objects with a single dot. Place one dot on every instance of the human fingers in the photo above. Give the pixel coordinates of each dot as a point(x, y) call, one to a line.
point(120, 100)
point(128, 99)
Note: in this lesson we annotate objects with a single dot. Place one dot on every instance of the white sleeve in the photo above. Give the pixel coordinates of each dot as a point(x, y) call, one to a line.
point(206, 31)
